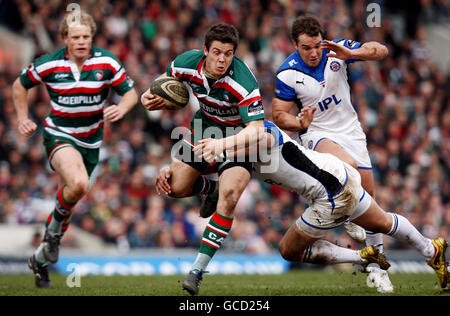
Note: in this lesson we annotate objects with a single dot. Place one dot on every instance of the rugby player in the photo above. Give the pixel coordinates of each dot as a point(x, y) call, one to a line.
point(77, 78)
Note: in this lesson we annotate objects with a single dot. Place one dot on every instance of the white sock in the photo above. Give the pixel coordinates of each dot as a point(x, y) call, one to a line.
point(201, 262)
point(55, 226)
point(404, 231)
point(374, 239)
point(39, 254)
point(325, 252)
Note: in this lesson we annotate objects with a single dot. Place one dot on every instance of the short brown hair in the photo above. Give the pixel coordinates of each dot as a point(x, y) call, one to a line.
point(223, 33)
point(81, 16)
point(306, 24)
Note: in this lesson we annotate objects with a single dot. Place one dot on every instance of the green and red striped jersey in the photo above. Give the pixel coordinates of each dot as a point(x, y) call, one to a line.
point(77, 98)
point(233, 100)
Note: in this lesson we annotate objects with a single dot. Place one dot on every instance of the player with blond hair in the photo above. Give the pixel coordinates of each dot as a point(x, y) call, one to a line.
point(77, 78)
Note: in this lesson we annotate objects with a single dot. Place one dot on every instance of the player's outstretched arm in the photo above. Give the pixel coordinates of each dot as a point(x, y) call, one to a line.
point(26, 126)
point(368, 51)
point(249, 138)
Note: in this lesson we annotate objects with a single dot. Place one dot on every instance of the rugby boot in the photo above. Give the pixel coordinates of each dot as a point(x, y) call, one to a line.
point(51, 247)
point(379, 279)
point(41, 278)
point(373, 255)
point(192, 281)
point(439, 263)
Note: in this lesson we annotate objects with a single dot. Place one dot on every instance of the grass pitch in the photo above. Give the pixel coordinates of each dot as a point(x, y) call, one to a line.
point(294, 283)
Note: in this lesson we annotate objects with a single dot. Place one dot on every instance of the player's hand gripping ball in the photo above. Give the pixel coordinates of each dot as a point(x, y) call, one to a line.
point(172, 90)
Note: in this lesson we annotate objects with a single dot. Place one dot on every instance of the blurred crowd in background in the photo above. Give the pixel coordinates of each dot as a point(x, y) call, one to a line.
point(403, 104)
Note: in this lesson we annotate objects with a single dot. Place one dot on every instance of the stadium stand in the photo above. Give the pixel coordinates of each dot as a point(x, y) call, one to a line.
point(403, 103)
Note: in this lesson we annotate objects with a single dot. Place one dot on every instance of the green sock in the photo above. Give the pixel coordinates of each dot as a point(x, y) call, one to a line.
point(214, 235)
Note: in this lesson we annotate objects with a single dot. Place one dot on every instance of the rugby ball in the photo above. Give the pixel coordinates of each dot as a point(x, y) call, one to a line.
point(172, 90)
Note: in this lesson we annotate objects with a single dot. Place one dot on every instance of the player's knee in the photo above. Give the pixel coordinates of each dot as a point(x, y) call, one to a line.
point(382, 224)
point(228, 198)
point(288, 253)
point(79, 186)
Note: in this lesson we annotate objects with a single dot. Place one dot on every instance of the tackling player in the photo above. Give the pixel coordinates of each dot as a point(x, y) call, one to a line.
point(77, 78)
point(316, 74)
point(334, 192)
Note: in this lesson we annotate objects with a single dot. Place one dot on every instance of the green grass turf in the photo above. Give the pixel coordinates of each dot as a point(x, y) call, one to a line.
point(302, 283)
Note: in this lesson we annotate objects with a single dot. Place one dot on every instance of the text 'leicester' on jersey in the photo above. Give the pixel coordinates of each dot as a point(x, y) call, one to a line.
point(325, 86)
point(233, 100)
point(77, 98)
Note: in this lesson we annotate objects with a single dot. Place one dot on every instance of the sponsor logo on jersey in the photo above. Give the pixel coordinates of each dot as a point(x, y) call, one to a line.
point(255, 108)
point(292, 62)
point(81, 99)
point(351, 43)
point(232, 111)
point(61, 76)
point(323, 105)
point(335, 66)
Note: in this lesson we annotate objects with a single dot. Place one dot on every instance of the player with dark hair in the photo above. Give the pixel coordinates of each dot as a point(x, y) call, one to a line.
point(316, 74)
point(77, 78)
point(229, 99)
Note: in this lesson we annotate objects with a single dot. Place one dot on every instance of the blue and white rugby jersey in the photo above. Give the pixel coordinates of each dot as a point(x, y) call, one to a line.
point(325, 86)
point(290, 166)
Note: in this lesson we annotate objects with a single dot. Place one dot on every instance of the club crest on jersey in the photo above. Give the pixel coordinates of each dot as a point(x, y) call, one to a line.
point(335, 66)
point(310, 144)
point(99, 75)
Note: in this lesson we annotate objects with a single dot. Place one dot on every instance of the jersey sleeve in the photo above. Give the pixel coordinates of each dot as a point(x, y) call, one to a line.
point(121, 82)
point(29, 77)
point(350, 44)
point(251, 107)
point(283, 91)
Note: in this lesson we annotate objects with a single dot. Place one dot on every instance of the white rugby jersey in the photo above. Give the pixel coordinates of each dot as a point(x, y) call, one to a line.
point(325, 86)
point(309, 173)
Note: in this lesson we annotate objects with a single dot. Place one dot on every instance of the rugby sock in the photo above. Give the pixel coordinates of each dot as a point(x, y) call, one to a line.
point(325, 252)
point(214, 235)
point(59, 219)
point(203, 185)
point(404, 231)
point(374, 239)
point(39, 254)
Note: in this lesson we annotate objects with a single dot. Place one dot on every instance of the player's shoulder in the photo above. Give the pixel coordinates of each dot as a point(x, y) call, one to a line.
point(101, 52)
point(240, 72)
point(292, 62)
point(53, 56)
point(104, 56)
point(189, 59)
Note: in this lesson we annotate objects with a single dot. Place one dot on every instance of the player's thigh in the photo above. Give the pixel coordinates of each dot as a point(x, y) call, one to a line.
point(375, 219)
point(294, 243)
point(183, 178)
point(328, 146)
point(232, 182)
point(367, 180)
point(68, 163)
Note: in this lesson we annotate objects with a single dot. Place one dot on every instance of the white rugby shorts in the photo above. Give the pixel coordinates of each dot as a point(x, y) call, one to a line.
point(329, 212)
point(354, 143)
